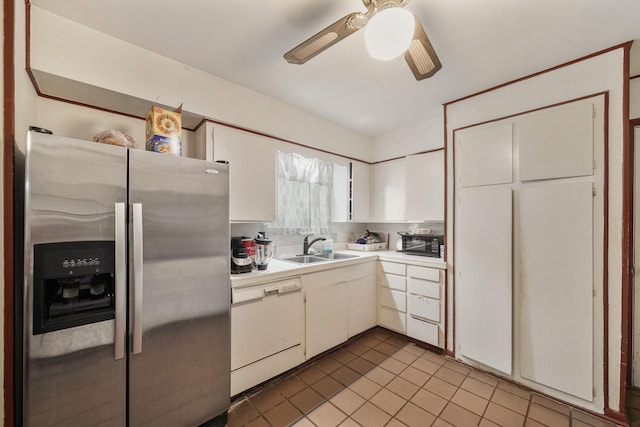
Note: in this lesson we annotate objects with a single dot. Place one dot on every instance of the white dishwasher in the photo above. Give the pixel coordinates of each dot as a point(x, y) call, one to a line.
point(267, 324)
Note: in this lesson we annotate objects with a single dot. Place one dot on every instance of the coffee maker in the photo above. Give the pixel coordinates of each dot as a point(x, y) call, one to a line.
point(240, 259)
point(264, 251)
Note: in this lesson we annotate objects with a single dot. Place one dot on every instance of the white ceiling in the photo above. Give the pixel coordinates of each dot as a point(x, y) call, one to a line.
point(481, 43)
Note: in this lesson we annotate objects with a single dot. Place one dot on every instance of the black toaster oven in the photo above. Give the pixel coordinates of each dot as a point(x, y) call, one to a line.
point(423, 244)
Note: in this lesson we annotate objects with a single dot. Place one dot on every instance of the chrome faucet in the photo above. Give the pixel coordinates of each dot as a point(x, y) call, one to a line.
point(306, 244)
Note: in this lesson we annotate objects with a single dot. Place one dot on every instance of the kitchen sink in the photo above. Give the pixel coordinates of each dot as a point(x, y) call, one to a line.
point(335, 255)
point(304, 259)
point(307, 259)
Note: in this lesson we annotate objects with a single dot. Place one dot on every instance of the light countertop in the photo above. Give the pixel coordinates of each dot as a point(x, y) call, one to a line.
point(280, 269)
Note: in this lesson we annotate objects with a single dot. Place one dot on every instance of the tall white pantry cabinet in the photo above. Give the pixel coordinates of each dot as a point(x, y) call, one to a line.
point(529, 225)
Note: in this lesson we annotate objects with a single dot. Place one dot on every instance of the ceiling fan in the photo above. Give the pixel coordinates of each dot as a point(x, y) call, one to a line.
point(420, 55)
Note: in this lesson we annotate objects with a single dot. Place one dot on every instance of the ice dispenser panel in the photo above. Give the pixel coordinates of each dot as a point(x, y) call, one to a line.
point(73, 284)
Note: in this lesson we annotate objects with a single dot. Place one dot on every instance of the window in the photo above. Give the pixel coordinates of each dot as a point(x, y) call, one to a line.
point(304, 188)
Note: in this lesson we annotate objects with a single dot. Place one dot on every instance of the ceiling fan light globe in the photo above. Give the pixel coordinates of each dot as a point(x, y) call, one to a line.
point(389, 33)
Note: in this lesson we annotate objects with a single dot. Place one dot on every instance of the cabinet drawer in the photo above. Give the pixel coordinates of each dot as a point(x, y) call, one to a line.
point(423, 331)
point(393, 281)
point(392, 319)
point(393, 268)
point(425, 273)
point(392, 299)
point(426, 308)
point(424, 287)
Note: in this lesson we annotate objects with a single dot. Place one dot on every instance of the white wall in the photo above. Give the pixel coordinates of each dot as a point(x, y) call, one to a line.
point(422, 136)
point(598, 74)
point(79, 57)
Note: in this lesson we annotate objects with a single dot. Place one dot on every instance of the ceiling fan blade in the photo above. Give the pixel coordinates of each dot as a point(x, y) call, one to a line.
point(323, 40)
point(421, 56)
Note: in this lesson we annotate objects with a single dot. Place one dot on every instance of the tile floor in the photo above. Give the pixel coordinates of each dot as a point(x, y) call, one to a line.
point(382, 379)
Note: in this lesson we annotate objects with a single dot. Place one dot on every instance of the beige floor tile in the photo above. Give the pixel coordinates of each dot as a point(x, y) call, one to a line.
point(425, 365)
point(311, 374)
point(393, 365)
point(452, 377)
point(514, 389)
point(402, 387)
point(429, 401)
point(414, 349)
point(486, 423)
point(347, 401)
point(433, 357)
point(326, 415)
point(283, 415)
point(328, 365)
point(266, 399)
point(458, 416)
point(259, 422)
point(442, 423)
point(388, 401)
point(485, 378)
point(470, 401)
point(533, 423)
point(551, 404)
point(440, 387)
point(478, 387)
point(547, 416)
point(458, 367)
point(349, 423)
point(304, 423)
point(412, 415)
point(395, 423)
point(503, 416)
point(365, 387)
point(380, 376)
point(415, 376)
point(405, 356)
point(511, 401)
point(371, 416)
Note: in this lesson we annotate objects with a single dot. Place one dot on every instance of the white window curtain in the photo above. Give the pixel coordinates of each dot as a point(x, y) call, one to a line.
point(304, 195)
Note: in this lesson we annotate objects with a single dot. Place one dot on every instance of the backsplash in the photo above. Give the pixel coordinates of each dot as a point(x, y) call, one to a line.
point(340, 232)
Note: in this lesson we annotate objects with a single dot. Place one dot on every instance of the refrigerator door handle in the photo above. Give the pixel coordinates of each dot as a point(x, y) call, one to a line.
point(121, 280)
point(138, 278)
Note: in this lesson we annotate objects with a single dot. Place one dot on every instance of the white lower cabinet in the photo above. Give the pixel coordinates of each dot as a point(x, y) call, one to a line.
point(340, 303)
point(411, 301)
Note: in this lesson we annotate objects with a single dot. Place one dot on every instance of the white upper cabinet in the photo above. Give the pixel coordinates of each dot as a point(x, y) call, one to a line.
point(360, 191)
point(425, 187)
point(388, 191)
point(340, 196)
point(485, 156)
point(556, 143)
point(252, 173)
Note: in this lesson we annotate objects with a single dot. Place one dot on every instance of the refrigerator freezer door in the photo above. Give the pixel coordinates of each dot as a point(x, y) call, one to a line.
point(71, 375)
point(179, 367)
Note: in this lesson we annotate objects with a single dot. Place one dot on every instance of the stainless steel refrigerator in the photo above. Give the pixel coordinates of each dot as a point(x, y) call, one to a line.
point(126, 287)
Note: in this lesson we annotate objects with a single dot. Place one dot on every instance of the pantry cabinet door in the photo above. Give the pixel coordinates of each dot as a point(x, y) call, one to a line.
point(556, 285)
point(484, 276)
point(556, 143)
point(485, 155)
